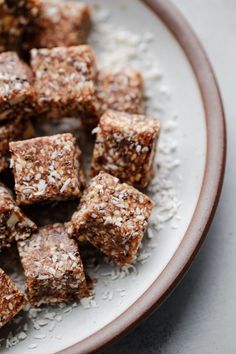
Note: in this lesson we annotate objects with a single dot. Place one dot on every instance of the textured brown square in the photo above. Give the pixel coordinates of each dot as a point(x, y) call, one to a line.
point(53, 268)
point(120, 90)
point(12, 300)
point(14, 225)
point(15, 129)
point(59, 24)
point(125, 147)
point(46, 169)
point(17, 96)
point(113, 217)
point(65, 81)
point(15, 15)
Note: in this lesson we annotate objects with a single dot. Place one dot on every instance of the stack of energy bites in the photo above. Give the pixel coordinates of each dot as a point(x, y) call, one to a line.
point(62, 80)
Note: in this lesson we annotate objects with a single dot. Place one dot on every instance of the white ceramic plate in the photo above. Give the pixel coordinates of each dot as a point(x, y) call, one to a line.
point(182, 92)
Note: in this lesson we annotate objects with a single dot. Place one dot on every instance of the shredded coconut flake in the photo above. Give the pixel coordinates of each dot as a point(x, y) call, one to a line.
point(32, 346)
point(65, 185)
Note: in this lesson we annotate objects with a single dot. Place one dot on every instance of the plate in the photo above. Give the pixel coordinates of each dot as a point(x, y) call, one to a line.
point(182, 91)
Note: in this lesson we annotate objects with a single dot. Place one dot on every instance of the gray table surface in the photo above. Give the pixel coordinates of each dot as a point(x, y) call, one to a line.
point(200, 316)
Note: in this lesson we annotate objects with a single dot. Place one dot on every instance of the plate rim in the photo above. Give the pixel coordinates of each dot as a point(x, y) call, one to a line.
point(210, 192)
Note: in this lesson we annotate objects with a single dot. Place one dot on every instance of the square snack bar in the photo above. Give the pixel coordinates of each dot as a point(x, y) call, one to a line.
point(52, 265)
point(15, 129)
point(12, 300)
point(65, 81)
point(59, 24)
point(47, 169)
point(113, 217)
point(14, 225)
point(121, 91)
point(125, 147)
point(16, 92)
point(15, 15)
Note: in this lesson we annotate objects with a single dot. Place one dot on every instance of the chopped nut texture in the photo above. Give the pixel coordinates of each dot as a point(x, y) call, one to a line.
point(59, 24)
point(12, 300)
point(125, 147)
point(14, 225)
point(117, 90)
point(121, 91)
point(53, 268)
point(15, 129)
point(113, 217)
point(15, 15)
point(46, 169)
point(65, 81)
point(16, 92)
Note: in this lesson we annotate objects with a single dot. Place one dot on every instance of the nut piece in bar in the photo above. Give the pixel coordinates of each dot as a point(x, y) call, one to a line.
point(14, 129)
point(59, 24)
point(65, 81)
point(113, 217)
point(125, 147)
point(15, 15)
point(52, 265)
point(46, 169)
point(121, 91)
point(16, 92)
point(14, 225)
point(12, 300)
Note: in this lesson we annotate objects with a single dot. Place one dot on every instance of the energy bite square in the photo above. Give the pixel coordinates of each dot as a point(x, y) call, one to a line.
point(52, 265)
point(125, 147)
point(113, 217)
point(65, 81)
point(59, 24)
point(14, 129)
point(15, 15)
point(14, 225)
point(12, 300)
point(121, 91)
point(46, 169)
point(16, 92)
